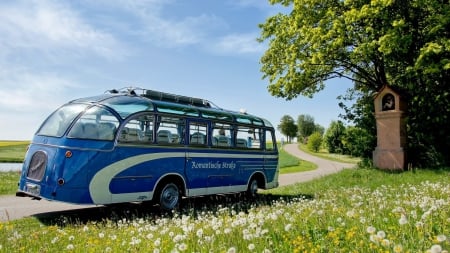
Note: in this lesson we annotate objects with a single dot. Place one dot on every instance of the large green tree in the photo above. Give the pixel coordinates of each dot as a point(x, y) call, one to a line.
point(288, 127)
point(402, 43)
point(306, 125)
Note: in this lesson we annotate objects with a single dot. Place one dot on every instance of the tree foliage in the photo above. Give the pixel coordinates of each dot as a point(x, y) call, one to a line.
point(358, 142)
point(288, 127)
point(402, 43)
point(306, 125)
point(333, 137)
point(314, 141)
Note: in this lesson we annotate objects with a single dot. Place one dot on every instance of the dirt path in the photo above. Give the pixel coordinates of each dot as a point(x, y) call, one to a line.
point(12, 207)
point(324, 167)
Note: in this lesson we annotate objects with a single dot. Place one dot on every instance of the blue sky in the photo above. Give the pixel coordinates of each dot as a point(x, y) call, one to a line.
point(55, 51)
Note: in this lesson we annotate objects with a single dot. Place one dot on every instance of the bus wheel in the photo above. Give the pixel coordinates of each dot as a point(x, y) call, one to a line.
point(252, 190)
point(169, 197)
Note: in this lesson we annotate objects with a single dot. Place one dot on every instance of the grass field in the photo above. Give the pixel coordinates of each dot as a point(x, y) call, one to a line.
point(360, 210)
point(13, 151)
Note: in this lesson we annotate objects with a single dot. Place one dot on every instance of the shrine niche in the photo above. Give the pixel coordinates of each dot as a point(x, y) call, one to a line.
point(391, 130)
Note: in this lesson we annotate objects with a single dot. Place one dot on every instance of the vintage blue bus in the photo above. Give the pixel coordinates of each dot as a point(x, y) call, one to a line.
point(135, 145)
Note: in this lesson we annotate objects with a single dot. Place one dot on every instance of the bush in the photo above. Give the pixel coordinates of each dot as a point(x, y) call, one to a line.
point(314, 142)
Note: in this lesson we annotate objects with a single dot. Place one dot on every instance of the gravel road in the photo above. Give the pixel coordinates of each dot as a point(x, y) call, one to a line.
point(12, 207)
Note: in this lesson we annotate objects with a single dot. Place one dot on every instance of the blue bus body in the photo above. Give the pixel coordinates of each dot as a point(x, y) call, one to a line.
point(123, 147)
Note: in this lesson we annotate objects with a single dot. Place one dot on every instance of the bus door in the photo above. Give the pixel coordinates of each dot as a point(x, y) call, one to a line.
point(270, 156)
point(203, 165)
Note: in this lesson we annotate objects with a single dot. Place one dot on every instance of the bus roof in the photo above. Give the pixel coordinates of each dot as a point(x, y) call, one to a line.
point(129, 102)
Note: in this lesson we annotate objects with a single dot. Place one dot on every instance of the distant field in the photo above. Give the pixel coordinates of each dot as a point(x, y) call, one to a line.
point(13, 151)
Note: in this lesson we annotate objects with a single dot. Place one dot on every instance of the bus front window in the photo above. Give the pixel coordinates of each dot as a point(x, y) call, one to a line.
point(96, 123)
point(58, 122)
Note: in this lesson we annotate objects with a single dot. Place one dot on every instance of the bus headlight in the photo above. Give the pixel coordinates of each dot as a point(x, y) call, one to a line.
point(61, 181)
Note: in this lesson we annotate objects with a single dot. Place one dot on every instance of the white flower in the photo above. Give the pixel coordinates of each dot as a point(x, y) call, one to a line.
point(101, 235)
point(70, 247)
point(403, 220)
point(441, 238)
point(398, 248)
point(85, 228)
point(182, 247)
point(231, 250)
point(199, 232)
point(287, 227)
point(251, 246)
point(371, 230)
point(381, 234)
point(385, 243)
point(436, 248)
point(54, 240)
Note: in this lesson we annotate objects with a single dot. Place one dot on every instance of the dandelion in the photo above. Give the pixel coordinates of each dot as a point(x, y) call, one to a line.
point(70, 247)
point(371, 230)
point(71, 238)
point(398, 248)
point(403, 220)
point(199, 232)
point(385, 243)
point(251, 246)
point(182, 247)
point(381, 234)
point(441, 238)
point(287, 227)
point(231, 250)
point(108, 249)
point(436, 248)
point(101, 235)
point(85, 228)
point(54, 240)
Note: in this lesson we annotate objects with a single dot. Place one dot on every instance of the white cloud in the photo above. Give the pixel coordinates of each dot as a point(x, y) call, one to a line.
point(51, 27)
point(23, 90)
point(239, 43)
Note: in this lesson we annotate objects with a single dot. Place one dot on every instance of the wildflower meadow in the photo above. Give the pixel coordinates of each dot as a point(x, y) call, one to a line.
point(409, 216)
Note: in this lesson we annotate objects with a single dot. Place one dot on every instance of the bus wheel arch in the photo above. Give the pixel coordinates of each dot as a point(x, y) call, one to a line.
point(256, 181)
point(169, 191)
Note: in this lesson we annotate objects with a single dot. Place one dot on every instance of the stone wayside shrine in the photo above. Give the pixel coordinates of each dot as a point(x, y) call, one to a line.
point(391, 130)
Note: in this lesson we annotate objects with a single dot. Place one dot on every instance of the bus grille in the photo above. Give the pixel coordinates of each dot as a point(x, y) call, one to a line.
point(37, 166)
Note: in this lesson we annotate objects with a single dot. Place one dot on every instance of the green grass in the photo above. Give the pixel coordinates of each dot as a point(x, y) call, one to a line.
point(8, 181)
point(13, 151)
point(360, 210)
point(323, 153)
point(291, 164)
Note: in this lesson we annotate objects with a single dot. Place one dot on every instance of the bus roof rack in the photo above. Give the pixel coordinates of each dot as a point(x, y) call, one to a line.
point(168, 97)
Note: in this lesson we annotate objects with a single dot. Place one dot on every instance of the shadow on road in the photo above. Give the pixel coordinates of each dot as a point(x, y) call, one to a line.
point(188, 206)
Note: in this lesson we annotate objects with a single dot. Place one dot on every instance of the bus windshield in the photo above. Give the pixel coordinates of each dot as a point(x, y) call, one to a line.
point(58, 122)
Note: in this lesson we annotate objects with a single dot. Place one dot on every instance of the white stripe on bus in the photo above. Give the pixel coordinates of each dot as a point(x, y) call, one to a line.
point(99, 185)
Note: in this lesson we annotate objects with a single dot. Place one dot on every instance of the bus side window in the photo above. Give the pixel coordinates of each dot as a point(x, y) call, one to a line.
point(270, 140)
point(138, 130)
point(221, 135)
point(198, 134)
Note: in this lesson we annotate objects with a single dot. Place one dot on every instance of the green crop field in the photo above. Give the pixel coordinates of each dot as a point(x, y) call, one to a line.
point(13, 151)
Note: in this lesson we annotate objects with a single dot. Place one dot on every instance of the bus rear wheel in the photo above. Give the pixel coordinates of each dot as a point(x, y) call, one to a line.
point(252, 190)
point(169, 197)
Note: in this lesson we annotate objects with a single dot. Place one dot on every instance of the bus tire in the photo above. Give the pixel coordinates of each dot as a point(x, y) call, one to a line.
point(252, 190)
point(169, 197)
